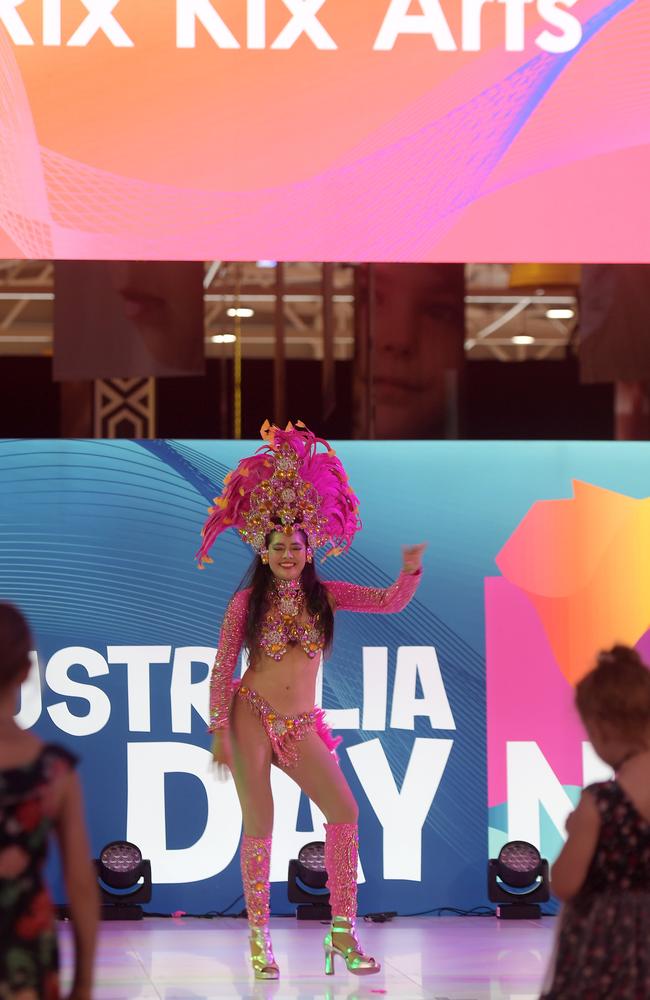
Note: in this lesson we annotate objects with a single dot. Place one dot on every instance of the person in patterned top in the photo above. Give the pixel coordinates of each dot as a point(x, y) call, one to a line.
point(39, 793)
point(602, 948)
point(286, 501)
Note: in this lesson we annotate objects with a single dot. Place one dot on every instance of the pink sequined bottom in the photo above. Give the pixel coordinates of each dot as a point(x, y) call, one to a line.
point(286, 731)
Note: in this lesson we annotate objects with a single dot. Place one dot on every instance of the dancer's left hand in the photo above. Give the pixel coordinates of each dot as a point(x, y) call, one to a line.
point(412, 557)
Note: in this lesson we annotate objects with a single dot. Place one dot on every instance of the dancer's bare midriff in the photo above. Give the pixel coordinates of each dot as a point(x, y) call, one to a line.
point(288, 684)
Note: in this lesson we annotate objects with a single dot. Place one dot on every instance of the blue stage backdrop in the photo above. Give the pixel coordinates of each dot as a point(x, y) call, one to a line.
point(96, 545)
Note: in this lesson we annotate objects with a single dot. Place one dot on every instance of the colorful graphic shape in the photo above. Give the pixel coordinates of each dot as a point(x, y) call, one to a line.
point(575, 581)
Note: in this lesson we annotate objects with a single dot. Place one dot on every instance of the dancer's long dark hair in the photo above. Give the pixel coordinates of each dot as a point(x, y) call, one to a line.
point(259, 577)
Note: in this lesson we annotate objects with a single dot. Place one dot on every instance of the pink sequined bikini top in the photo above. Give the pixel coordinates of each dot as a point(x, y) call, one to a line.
point(284, 623)
point(345, 597)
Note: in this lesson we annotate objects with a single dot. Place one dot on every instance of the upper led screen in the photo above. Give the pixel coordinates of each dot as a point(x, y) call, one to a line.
point(492, 130)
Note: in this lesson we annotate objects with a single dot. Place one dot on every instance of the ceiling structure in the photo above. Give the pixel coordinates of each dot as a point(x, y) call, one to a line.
point(502, 323)
point(534, 323)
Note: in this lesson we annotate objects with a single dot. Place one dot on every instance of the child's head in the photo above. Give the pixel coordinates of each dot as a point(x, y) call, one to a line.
point(15, 646)
point(614, 703)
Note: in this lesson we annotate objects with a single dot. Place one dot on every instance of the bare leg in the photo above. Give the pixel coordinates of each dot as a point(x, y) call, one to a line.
point(321, 778)
point(252, 774)
point(251, 752)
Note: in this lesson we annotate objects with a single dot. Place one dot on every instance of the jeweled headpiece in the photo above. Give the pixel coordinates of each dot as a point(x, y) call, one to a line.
point(287, 485)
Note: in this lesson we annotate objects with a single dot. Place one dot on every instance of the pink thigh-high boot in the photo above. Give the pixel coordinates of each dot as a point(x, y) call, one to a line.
point(255, 865)
point(341, 856)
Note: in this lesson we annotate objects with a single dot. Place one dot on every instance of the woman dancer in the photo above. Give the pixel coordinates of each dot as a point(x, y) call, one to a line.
point(286, 501)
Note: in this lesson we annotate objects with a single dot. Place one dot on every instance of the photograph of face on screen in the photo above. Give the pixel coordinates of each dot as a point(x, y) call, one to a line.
point(122, 319)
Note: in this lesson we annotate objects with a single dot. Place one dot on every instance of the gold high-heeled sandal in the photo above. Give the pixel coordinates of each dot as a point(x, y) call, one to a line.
point(262, 957)
point(355, 960)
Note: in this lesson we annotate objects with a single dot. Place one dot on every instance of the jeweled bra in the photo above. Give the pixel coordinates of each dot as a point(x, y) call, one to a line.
point(282, 626)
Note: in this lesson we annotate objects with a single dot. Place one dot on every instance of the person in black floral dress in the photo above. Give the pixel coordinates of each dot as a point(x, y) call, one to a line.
point(602, 949)
point(39, 792)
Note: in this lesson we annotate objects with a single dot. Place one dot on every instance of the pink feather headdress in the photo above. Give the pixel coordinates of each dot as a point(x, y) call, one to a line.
point(287, 485)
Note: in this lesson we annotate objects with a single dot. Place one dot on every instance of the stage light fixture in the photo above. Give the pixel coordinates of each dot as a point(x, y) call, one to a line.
point(518, 881)
point(306, 883)
point(124, 880)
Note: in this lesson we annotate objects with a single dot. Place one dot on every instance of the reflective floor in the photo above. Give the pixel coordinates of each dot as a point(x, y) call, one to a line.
point(449, 958)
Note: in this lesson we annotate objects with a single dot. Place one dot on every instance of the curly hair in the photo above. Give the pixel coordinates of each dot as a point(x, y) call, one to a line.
point(617, 692)
point(15, 643)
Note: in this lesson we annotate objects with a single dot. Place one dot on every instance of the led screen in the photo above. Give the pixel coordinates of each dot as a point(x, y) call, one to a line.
point(325, 130)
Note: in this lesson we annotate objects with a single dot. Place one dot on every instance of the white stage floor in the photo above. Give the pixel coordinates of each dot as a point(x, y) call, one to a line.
point(448, 958)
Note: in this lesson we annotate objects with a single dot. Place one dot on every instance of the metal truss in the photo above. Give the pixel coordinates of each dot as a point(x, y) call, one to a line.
point(27, 300)
point(496, 317)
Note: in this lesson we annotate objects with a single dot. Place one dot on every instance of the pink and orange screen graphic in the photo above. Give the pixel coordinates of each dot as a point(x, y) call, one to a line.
point(575, 580)
point(307, 130)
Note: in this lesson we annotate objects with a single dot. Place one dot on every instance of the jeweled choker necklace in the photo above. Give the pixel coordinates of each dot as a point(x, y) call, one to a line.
point(281, 625)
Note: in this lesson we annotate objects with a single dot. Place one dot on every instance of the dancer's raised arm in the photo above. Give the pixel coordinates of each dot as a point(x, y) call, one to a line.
point(381, 600)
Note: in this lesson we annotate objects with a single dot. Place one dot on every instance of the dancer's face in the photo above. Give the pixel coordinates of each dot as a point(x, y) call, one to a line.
point(287, 555)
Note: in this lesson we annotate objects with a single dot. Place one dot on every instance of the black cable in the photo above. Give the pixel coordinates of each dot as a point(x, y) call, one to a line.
point(210, 915)
point(224, 912)
point(380, 918)
point(377, 918)
point(476, 911)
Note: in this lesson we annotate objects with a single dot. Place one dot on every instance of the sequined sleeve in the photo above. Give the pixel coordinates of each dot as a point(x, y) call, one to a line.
point(230, 643)
point(352, 597)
